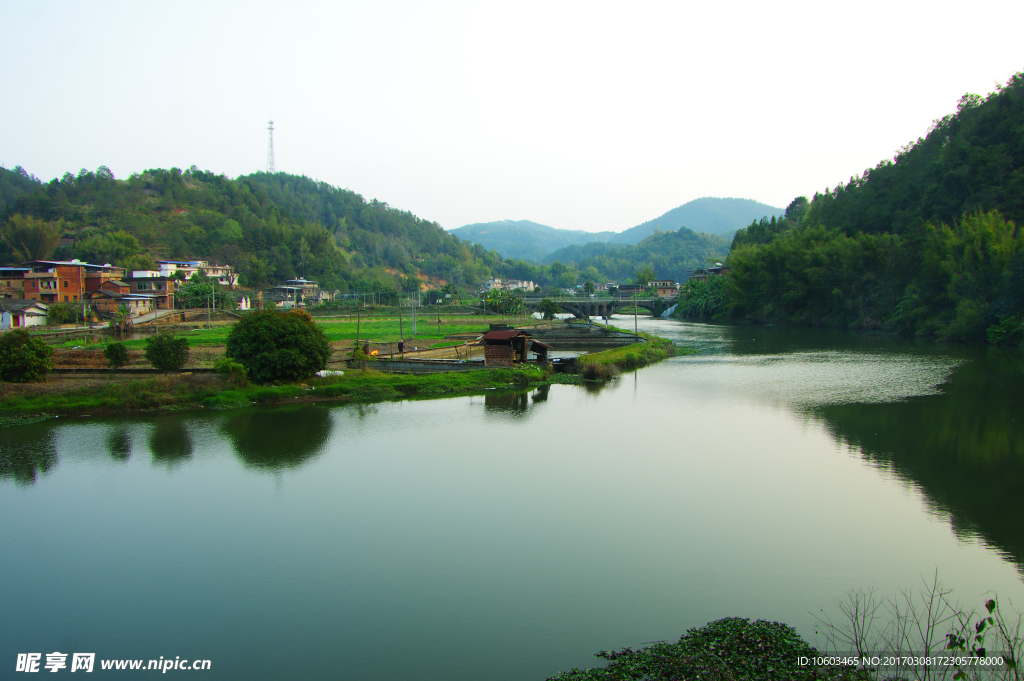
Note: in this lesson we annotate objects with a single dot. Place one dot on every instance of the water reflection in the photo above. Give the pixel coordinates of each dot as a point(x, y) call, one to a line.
point(279, 438)
point(27, 452)
point(514, 406)
point(169, 441)
point(964, 448)
point(119, 443)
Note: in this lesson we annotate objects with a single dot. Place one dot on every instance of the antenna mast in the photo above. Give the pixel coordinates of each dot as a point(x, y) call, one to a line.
point(271, 167)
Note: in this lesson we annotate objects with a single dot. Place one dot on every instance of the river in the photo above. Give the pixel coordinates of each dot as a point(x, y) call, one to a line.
point(512, 536)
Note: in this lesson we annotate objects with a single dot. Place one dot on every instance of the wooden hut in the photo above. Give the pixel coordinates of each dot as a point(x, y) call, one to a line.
point(507, 347)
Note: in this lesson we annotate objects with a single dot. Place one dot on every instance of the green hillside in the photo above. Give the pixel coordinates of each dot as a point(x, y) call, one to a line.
point(672, 255)
point(269, 227)
point(525, 239)
point(927, 243)
point(532, 241)
point(708, 215)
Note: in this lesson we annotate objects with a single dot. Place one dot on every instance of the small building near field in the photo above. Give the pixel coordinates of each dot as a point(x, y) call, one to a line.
point(507, 347)
point(17, 314)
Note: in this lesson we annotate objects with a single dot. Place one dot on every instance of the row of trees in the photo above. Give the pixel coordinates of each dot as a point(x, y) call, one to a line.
point(264, 346)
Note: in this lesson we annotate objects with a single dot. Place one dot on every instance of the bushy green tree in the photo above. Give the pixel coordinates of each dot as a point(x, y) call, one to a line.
point(27, 238)
point(23, 357)
point(549, 308)
point(116, 354)
point(279, 346)
point(166, 353)
point(643, 275)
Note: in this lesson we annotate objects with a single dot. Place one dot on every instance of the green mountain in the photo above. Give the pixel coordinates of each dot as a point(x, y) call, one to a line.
point(708, 215)
point(532, 241)
point(673, 255)
point(525, 239)
point(269, 227)
point(927, 243)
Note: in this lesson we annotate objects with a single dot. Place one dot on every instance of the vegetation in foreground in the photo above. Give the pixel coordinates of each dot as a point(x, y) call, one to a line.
point(891, 640)
point(188, 391)
point(730, 649)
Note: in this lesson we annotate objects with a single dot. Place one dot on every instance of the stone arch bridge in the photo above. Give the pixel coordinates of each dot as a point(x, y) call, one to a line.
point(583, 308)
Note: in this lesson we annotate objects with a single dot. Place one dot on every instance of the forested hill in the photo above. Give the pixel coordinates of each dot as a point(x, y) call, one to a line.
point(270, 227)
point(708, 215)
point(673, 255)
point(926, 243)
point(525, 239)
point(532, 241)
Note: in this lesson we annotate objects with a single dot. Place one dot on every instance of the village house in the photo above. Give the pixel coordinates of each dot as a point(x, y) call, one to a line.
point(514, 284)
point(161, 289)
point(54, 281)
point(703, 274)
point(631, 289)
point(665, 288)
point(106, 300)
point(506, 347)
point(96, 275)
point(12, 282)
point(223, 275)
point(18, 314)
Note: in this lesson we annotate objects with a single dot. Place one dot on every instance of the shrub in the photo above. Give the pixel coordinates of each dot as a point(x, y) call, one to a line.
point(279, 346)
point(116, 354)
point(593, 371)
point(165, 352)
point(233, 371)
point(23, 358)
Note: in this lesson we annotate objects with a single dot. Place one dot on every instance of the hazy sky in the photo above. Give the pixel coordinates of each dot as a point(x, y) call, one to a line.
point(581, 115)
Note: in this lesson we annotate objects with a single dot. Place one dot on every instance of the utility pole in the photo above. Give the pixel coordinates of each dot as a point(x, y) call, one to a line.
point(401, 332)
point(271, 165)
point(209, 302)
point(412, 305)
point(634, 317)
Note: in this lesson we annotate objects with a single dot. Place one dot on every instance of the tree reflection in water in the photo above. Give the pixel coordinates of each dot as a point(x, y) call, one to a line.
point(169, 441)
point(26, 452)
point(964, 448)
point(119, 443)
point(279, 438)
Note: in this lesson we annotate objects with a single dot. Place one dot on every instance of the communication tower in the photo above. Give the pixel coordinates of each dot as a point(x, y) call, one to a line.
point(271, 167)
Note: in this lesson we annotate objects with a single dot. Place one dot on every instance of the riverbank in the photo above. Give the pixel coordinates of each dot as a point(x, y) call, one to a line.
point(25, 403)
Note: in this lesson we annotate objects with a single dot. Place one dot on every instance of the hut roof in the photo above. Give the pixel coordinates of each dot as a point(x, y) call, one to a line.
point(504, 335)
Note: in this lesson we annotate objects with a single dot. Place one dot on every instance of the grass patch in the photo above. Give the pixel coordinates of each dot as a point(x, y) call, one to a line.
point(652, 349)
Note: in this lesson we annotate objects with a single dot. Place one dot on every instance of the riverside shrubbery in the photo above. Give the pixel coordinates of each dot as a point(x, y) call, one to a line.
point(279, 346)
point(24, 358)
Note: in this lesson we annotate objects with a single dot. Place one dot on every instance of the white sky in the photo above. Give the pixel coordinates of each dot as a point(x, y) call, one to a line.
point(581, 115)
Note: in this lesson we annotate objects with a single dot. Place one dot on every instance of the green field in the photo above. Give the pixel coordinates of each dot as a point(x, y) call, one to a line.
point(374, 329)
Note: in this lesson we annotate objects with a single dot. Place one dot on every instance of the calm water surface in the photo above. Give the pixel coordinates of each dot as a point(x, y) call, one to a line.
point(512, 536)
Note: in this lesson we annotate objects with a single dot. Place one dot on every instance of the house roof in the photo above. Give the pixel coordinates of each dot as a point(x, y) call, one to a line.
point(10, 305)
point(72, 263)
point(505, 335)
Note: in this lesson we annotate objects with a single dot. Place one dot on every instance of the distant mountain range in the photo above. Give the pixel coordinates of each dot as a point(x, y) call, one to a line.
point(533, 241)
